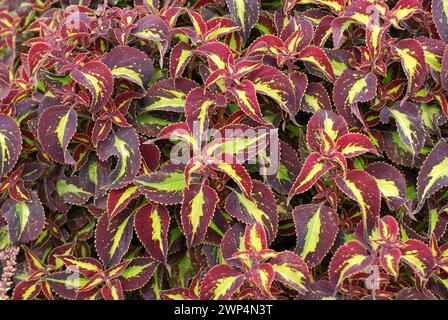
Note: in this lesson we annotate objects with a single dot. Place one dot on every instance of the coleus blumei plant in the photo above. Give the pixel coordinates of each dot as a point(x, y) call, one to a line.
point(219, 149)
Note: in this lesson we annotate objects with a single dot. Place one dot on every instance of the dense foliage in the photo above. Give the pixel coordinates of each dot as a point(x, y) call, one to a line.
point(339, 192)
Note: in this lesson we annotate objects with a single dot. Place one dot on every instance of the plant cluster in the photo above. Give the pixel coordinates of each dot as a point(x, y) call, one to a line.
point(224, 149)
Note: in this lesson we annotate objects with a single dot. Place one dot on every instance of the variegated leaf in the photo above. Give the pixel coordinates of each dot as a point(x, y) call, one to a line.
point(273, 83)
point(168, 95)
point(314, 167)
point(391, 183)
point(440, 16)
point(197, 211)
point(10, 144)
point(362, 188)
point(419, 257)
point(353, 87)
point(291, 270)
point(236, 172)
point(348, 260)
point(97, 78)
point(118, 199)
point(137, 273)
point(412, 58)
point(246, 97)
point(131, 64)
point(324, 128)
point(255, 239)
point(433, 174)
point(112, 291)
point(164, 186)
point(86, 266)
point(72, 190)
point(124, 144)
point(220, 283)
point(260, 209)
point(25, 219)
point(179, 58)
point(57, 125)
point(409, 123)
point(315, 98)
point(262, 276)
point(244, 13)
point(113, 237)
point(316, 228)
point(316, 57)
point(152, 222)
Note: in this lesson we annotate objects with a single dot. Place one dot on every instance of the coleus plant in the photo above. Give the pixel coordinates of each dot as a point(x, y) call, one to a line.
point(225, 149)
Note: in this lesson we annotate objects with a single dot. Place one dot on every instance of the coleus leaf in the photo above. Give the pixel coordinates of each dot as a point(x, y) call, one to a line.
point(154, 28)
point(72, 190)
point(291, 270)
point(355, 144)
point(97, 78)
point(27, 290)
point(86, 266)
point(403, 10)
point(113, 237)
point(10, 144)
point(440, 16)
point(362, 187)
point(138, 272)
point(390, 260)
point(324, 128)
point(315, 166)
point(262, 276)
point(419, 257)
point(25, 219)
point(220, 283)
point(283, 179)
point(236, 172)
point(151, 224)
point(348, 260)
point(197, 211)
point(124, 144)
point(352, 87)
point(179, 58)
point(244, 13)
point(218, 55)
point(273, 83)
point(391, 183)
point(67, 284)
point(218, 27)
point(246, 97)
point(164, 186)
point(260, 208)
point(316, 228)
point(168, 95)
point(198, 106)
point(409, 123)
point(5, 85)
point(93, 176)
point(318, 59)
point(444, 75)
point(118, 199)
point(131, 64)
point(112, 291)
point(57, 125)
point(315, 98)
point(242, 143)
point(255, 239)
point(433, 174)
point(412, 58)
